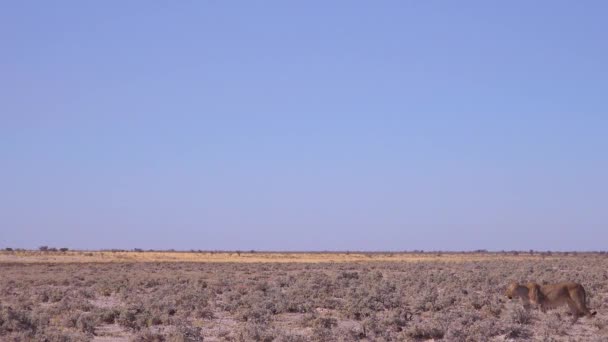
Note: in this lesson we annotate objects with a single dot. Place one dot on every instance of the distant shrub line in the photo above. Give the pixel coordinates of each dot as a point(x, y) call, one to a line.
point(348, 252)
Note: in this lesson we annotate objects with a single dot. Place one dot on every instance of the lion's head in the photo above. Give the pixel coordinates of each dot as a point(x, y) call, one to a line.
point(516, 291)
point(511, 290)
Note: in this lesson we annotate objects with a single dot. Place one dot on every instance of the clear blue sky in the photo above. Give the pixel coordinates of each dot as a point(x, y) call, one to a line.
point(304, 125)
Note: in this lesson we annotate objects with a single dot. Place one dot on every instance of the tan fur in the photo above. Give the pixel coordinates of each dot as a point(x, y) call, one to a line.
point(551, 296)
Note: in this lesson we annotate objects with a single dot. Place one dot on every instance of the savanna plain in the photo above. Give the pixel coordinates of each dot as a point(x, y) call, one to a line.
point(254, 296)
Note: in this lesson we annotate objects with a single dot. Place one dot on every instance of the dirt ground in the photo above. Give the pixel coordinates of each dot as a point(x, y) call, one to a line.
point(173, 296)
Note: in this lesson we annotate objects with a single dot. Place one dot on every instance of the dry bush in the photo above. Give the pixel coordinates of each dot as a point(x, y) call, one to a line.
point(147, 335)
point(425, 331)
point(252, 331)
point(379, 301)
point(520, 315)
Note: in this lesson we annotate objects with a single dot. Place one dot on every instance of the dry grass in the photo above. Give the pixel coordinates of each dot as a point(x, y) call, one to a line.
point(289, 297)
point(251, 257)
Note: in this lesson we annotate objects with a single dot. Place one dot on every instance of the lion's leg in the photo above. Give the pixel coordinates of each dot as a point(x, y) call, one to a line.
point(584, 311)
point(582, 305)
point(574, 309)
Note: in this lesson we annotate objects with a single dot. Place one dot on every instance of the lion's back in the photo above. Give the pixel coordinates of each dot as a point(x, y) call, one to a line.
point(560, 292)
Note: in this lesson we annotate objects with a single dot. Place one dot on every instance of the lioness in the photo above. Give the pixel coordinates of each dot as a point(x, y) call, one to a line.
point(551, 296)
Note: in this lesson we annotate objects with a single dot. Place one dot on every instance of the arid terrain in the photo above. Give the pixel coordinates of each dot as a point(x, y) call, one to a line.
point(254, 296)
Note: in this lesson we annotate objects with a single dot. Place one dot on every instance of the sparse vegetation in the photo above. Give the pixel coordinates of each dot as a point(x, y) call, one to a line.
point(342, 301)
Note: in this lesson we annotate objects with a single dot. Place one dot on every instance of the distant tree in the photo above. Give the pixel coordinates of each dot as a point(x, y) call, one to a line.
point(8, 249)
point(43, 248)
point(138, 250)
point(64, 249)
point(53, 249)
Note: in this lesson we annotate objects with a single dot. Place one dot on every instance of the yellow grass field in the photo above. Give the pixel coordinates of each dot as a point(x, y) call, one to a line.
point(251, 257)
